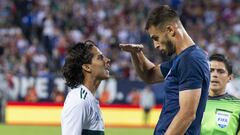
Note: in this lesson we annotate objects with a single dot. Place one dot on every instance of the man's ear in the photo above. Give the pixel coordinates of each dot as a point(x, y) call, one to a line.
point(230, 77)
point(86, 67)
point(170, 29)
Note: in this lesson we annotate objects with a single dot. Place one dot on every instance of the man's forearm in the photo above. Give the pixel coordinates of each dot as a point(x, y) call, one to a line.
point(141, 64)
point(180, 124)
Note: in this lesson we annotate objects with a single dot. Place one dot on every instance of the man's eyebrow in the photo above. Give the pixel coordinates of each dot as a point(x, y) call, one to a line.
point(100, 55)
point(217, 69)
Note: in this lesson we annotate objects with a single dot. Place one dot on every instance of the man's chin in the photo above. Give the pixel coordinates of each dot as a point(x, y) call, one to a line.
point(214, 88)
point(166, 53)
point(163, 52)
point(170, 53)
point(106, 77)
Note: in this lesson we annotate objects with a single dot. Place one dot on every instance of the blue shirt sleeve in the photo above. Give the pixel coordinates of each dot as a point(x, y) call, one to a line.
point(165, 67)
point(190, 73)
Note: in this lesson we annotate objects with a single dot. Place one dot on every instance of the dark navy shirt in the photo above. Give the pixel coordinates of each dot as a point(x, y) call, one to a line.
point(188, 70)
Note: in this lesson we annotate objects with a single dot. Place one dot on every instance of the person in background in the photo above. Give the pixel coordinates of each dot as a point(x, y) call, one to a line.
point(31, 95)
point(133, 97)
point(58, 96)
point(222, 113)
point(147, 102)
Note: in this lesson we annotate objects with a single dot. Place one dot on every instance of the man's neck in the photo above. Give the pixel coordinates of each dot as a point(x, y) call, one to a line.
point(216, 93)
point(184, 42)
point(91, 84)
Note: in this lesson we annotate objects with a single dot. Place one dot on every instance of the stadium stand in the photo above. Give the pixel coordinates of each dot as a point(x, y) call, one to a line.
point(34, 34)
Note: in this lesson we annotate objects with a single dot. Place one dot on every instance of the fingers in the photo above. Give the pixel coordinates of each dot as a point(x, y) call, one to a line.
point(131, 47)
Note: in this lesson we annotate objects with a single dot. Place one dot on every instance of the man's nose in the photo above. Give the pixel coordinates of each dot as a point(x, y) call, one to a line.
point(107, 60)
point(214, 73)
point(156, 44)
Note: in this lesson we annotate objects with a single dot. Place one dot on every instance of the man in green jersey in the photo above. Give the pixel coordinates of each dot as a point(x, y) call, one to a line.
point(222, 113)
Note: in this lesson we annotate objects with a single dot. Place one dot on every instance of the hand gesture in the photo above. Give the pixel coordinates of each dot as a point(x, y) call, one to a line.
point(132, 48)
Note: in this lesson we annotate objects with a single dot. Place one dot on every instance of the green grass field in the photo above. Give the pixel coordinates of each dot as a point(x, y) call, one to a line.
point(56, 130)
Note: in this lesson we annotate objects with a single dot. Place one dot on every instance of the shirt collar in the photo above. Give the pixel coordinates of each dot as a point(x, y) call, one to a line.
point(218, 97)
point(90, 93)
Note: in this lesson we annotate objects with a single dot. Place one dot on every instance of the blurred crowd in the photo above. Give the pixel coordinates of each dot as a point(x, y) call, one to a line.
point(34, 34)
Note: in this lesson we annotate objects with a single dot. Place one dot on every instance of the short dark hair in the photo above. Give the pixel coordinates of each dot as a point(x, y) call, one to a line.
point(77, 55)
point(160, 15)
point(223, 59)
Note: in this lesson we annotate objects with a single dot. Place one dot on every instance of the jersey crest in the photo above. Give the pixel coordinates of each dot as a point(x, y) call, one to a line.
point(222, 118)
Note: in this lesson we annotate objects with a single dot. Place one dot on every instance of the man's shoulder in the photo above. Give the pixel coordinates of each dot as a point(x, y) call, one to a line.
point(195, 57)
point(226, 97)
point(227, 100)
point(79, 95)
point(233, 100)
point(227, 103)
point(231, 97)
point(198, 54)
point(194, 54)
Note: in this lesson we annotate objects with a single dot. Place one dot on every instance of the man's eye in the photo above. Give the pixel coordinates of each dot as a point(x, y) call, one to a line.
point(221, 71)
point(100, 57)
point(155, 38)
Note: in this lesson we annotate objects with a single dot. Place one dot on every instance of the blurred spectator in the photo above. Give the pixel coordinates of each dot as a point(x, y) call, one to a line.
point(58, 96)
point(104, 98)
point(31, 95)
point(133, 97)
point(50, 26)
point(3, 95)
point(35, 34)
point(147, 102)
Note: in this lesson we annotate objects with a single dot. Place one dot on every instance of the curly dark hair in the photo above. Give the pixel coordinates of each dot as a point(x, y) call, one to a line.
point(77, 55)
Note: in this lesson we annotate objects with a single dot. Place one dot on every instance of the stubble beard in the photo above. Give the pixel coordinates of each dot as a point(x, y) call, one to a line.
point(170, 49)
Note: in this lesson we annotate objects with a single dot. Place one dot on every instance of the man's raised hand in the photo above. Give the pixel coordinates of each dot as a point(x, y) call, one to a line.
point(132, 48)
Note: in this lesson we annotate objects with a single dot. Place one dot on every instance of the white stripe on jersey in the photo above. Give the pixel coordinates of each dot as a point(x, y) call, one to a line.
point(81, 111)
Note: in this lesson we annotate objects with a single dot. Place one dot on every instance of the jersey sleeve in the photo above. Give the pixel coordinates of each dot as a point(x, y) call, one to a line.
point(80, 111)
point(165, 67)
point(75, 119)
point(190, 74)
